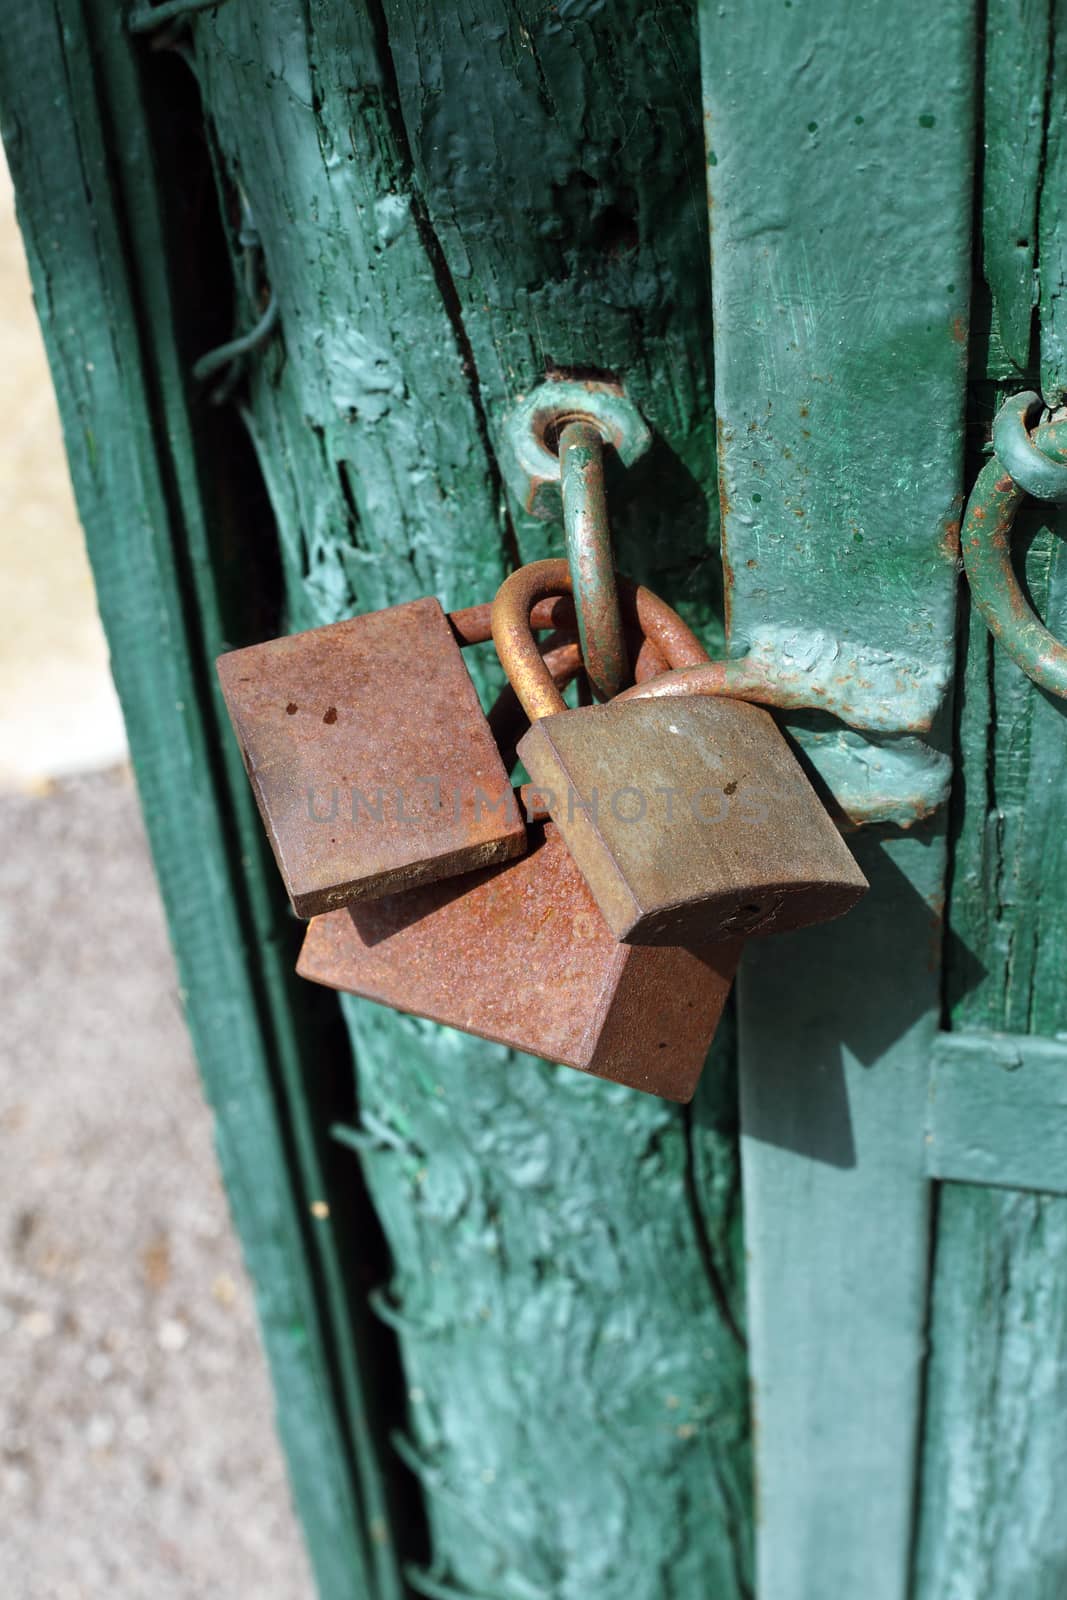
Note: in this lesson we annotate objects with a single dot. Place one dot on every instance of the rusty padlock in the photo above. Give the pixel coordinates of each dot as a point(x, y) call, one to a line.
point(521, 955)
point(720, 833)
point(372, 762)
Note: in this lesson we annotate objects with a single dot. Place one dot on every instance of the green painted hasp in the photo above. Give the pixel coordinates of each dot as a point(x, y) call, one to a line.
point(839, 367)
point(840, 156)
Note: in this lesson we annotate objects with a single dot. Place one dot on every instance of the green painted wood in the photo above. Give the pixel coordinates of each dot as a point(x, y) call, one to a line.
point(584, 127)
point(840, 337)
point(98, 252)
point(998, 1111)
point(996, 1451)
point(1014, 80)
point(840, 523)
point(566, 1288)
point(1052, 265)
point(996, 1443)
point(996, 1446)
point(836, 1229)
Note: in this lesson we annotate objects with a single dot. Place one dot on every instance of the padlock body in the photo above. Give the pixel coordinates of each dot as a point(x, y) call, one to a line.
point(690, 819)
point(520, 954)
point(370, 756)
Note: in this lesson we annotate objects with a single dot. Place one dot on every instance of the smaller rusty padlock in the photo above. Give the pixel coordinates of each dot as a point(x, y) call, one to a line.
point(371, 760)
point(520, 954)
point(690, 818)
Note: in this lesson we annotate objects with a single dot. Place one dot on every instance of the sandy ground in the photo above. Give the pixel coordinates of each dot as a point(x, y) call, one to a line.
point(138, 1459)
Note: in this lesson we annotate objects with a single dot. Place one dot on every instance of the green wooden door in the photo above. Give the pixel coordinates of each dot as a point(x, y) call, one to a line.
point(512, 1314)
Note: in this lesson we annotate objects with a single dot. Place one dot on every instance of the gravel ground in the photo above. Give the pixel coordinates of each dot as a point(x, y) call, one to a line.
point(137, 1452)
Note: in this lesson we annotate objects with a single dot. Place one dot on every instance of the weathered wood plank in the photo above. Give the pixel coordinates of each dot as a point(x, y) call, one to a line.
point(996, 1443)
point(998, 1111)
point(1052, 240)
point(836, 1227)
point(593, 254)
point(98, 254)
point(996, 1453)
point(1016, 58)
point(566, 1254)
point(840, 337)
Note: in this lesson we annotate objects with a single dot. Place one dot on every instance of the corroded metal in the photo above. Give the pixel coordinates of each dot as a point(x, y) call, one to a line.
point(1021, 453)
point(370, 757)
point(518, 597)
point(520, 954)
point(986, 547)
point(531, 456)
point(474, 624)
point(589, 556)
point(690, 819)
point(507, 720)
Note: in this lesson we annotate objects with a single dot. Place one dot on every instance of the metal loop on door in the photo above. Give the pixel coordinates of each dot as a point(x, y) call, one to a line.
point(1040, 459)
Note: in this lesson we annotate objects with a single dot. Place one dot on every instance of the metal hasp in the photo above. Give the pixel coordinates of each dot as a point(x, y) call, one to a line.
point(519, 954)
point(840, 165)
point(370, 757)
point(1024, 463)
point(690, 818)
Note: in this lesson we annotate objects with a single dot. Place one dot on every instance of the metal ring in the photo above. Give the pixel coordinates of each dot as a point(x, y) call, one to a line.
point(986, 547)
point(585, 524)
point(1020, 455)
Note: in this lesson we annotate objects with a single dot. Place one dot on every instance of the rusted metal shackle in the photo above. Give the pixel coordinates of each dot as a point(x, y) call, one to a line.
point(592, 566)
point(517, 648)
point(1024, 462)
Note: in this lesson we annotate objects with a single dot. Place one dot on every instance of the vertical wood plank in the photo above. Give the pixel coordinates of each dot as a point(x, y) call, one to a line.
point(97, 249)
point(1017, 42)
point(996, 1448)
point(995, 1453)
point(451, 200)
point(1052, 235)
point(836, 1229)
point(840, 148)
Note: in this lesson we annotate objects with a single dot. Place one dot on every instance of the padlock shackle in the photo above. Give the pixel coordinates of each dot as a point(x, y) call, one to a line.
point(519, 656)
point(473, 625)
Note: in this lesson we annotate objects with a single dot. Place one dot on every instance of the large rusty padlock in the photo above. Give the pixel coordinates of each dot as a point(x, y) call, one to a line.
point(372, 762)
point(521, 955)
point(690, 818)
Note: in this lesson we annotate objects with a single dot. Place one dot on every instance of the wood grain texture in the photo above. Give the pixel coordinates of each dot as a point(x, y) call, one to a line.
point(997, 1111)
point(1016, 63)
point(993, 1511)
point(840, 340)
point(96, 246)
point(566, 1287)
point(582, 122)
point(995, 1451)
point(994, 1456)
point(1052, 223)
